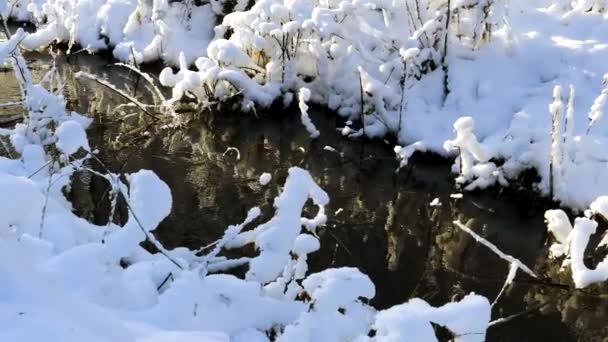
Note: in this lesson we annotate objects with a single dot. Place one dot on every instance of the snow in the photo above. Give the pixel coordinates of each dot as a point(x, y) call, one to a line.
point(435, 202)
point(335, 288)
point(265, 178)
point(305, 244)
point(490, 91)
point(19, 212)
point(600, 206)
point(303, 96)
point(65, 279)
point(404, 153)
point(359, 56)
point(558, 224)
point(583, 276)
point(512, 273)
point(331, 290)
point(509, 258)
point(411, 321)
point(71, 137)
point(275, 239)
point(368, 66)
point(470, 152)
point(573, 240)
point(149, 201)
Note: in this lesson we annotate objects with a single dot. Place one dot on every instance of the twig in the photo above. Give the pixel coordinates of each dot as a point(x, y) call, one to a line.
point(508, 281)
point(46, 202)
point(149, 236)
point(362, 114)
point(402, 85)
point(521, 313)
point(39, 169)
point(150, 80)
point(169, 276)
point(493, 248)
point(444, 64)
point(529, 282)
point(82, 74)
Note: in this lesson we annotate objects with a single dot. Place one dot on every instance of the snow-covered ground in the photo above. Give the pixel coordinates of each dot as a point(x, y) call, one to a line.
point(503, 85)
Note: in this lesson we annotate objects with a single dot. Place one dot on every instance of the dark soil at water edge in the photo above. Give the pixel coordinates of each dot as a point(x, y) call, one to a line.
point(380, 220)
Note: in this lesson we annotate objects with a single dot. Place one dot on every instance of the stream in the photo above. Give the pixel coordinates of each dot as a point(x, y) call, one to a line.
point(379, 219)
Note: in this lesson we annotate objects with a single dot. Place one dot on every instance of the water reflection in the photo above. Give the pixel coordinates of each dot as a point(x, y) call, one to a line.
point(380, 219)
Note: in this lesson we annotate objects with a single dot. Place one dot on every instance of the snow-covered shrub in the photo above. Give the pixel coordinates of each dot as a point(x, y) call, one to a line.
point(364, 59)
point(138, 31)
point(404, 153)
point(477, 19)
point(571, 242)
point(223, 7)
point(560, 157)
point(597, 109)
point(359, 58)
point(473, 162)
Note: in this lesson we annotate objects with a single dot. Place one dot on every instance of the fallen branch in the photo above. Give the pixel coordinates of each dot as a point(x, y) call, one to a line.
point(150, 80)
point(82, 74)
point(493, 248)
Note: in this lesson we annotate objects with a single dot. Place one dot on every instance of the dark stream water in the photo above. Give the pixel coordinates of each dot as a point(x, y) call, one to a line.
point(380, 220)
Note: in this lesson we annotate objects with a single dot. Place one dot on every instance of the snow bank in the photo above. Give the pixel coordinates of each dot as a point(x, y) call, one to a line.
point(412, 321)
point(137, 31)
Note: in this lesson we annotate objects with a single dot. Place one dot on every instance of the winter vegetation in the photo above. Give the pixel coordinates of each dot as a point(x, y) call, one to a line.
point(69, 270)
point(406, 69)
point(502, 87)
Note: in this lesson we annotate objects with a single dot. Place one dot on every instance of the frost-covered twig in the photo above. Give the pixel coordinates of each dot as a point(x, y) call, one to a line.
point(82, 74)
point(556, 108)
point(46, 202)
point(568, 131)
point(509, 318)
point(508, 281)
point(149, 236)
point(510, 259)
point(444, 64)
point(230, 234)
point(164, 103)
point(303, 97)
